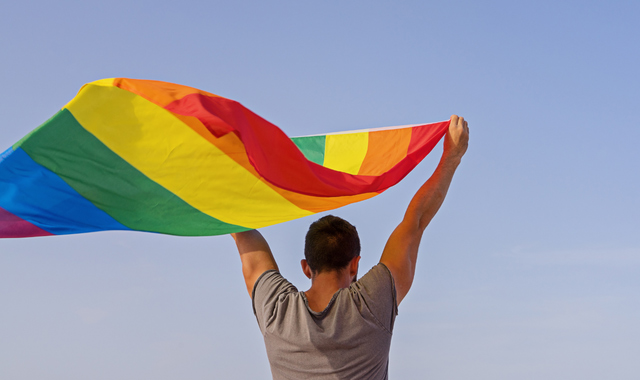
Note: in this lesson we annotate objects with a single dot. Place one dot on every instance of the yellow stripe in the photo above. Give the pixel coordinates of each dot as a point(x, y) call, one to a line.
point(345, 152)
point(107, 82)
point(172, 154)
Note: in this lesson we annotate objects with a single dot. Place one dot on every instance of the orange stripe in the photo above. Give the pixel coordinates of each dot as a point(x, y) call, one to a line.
point(160, 93)
point(386, 149)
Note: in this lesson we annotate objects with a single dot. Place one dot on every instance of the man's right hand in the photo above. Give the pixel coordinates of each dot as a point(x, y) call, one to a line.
point(457, 138)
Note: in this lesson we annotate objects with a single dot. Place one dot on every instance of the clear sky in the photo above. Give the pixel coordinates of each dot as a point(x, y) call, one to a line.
point(531, 269)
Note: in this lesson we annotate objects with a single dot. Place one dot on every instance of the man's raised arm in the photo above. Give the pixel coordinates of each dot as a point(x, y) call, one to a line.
point(401, 251)
point(255, 255)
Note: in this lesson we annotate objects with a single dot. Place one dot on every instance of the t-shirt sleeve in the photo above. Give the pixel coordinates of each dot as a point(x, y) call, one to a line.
point(379, 293)
point(267, 291)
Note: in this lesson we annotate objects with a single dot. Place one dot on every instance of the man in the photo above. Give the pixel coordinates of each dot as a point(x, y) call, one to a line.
point(341, 328)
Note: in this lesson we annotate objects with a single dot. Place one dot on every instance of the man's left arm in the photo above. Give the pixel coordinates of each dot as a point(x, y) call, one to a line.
point(255, 255)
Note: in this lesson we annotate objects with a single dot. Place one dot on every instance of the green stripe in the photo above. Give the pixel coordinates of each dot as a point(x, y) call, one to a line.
point(63, 146)
point(312, 147)
point(22, 140)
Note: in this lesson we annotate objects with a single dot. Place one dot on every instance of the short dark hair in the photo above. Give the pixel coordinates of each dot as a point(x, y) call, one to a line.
point(331, 243)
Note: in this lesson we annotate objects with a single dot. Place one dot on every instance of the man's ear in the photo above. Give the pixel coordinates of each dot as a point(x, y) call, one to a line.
point(353, 266)
point(306, 269)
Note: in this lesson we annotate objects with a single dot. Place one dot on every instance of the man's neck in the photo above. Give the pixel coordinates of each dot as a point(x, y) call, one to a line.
point(324, 285)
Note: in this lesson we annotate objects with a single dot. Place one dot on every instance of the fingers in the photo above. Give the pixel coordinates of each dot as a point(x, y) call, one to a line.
point(459, 122)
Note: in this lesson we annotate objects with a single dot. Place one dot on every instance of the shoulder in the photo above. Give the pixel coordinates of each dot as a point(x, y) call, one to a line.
point(378, 275)
point(377, 292)
point(268, 290)
point(271, 282)
point(266, 279)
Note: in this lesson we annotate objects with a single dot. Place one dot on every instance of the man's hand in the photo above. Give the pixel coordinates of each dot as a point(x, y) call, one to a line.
point(255, 255)
point(457, 138)
point(401, 251)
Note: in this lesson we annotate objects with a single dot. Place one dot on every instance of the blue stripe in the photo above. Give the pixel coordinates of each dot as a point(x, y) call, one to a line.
point(6, 153)
point(36, 194)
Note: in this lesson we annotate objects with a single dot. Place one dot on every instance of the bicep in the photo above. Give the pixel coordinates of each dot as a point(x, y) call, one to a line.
point(400, 255)
point(255, 255)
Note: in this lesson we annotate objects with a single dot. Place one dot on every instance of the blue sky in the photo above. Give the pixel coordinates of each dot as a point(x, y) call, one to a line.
point(530, 270)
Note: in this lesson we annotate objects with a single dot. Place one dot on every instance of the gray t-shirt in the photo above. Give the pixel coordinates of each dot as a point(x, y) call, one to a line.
point(349, 339)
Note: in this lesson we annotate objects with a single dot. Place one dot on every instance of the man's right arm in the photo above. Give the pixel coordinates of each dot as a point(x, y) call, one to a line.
point(401, 251)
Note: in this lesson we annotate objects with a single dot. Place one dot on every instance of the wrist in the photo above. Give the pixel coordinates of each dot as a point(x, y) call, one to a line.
point(451, 159)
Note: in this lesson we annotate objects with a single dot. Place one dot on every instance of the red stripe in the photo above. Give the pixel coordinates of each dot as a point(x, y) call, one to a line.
point(423, 140)
point(280, 162)
point(12, 226)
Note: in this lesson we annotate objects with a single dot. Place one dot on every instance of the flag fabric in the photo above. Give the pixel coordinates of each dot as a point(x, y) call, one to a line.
point(152, 156)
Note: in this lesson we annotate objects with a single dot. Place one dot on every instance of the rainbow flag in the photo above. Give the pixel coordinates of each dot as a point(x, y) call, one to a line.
point(152, 156)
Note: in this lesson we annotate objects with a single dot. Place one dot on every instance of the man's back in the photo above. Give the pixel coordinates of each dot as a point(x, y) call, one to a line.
point(350, 339)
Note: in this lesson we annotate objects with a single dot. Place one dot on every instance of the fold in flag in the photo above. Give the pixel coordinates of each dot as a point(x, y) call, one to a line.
point(152, 156)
